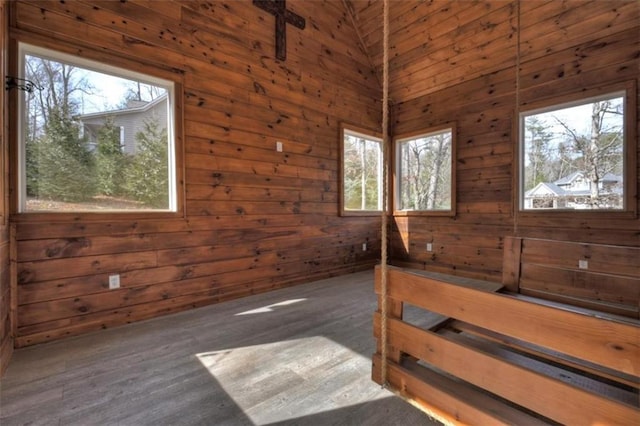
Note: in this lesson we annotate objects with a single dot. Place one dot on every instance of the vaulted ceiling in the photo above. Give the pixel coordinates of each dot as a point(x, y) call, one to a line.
point(438, 43)
point(434, 44)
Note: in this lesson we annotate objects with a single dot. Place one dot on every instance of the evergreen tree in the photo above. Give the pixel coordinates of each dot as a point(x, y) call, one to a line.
point(147, 176)
point(110, 160)
point(65, 165)
point(31, 160)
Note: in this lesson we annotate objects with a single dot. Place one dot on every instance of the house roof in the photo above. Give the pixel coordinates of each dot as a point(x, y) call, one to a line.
point(555, 189)
point(610, 177)
point(129, 110)
point(545, 188)
point(566, 180)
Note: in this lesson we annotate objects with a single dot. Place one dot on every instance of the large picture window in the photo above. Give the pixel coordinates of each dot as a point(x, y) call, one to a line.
point(425, 173)
point(572, 155)
point(94, 137)
point(361, 172)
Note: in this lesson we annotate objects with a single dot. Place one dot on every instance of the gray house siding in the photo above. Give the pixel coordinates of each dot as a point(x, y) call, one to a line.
point(131, 121)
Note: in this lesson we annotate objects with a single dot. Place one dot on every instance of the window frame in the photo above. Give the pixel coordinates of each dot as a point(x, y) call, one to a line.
point(106, 63)
point(628, 91)
point(5, 104)
point(346, 128)
point(397, 141)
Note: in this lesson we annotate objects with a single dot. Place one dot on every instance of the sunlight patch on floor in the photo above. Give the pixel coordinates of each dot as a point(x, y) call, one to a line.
point(261, 378)
point(271, 308)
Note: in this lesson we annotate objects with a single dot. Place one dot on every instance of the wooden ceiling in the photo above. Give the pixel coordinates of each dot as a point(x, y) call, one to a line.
point(437, 43)
point(433, 44)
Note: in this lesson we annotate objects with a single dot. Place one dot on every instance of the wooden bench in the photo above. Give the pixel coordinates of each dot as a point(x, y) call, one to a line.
point(504, 357)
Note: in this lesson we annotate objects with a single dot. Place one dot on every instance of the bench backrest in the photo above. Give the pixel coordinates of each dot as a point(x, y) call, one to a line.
point(594, 276)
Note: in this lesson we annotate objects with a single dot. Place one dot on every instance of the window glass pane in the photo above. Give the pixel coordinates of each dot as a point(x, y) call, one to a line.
point(424, 172)
point(574, 156)
point(94, 140)
point(362, 157)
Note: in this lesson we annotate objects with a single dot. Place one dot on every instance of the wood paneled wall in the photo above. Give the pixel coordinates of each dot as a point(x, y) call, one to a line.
point(6, 332)
point(255, 219)
point(456, 61)
point(460, 68)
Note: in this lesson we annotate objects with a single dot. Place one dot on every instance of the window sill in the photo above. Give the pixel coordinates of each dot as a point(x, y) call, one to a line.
point(437, 213)
point(361, 213)
point(113, 216)
point(578, 217)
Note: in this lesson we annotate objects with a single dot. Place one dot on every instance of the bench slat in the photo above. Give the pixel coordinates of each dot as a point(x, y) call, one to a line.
point(576, 283)
point(524, 387)
point(449, 400)
point(621, 260)
point(609, 343)
point(552, 356)
point(551, 270)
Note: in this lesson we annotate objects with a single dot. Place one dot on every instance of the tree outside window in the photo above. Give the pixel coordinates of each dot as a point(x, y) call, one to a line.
point(424, 172)
point(93, 140)
point(573, 155)
point(361, 172)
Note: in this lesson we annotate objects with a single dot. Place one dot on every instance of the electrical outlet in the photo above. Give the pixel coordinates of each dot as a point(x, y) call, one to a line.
point(364, 246)
point(114, 281)
point(429, 247)
point(583, 264)
point(279, 146)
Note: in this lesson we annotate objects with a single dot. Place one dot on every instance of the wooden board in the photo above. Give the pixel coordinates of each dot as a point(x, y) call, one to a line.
point(608, 281)
point(451, 61)
point(582, 369)
point(447, 399)
point(527, 388)
point(605, 342)
point(296, 355)
point(254, 219)
point(6, 290)
point(563, 48)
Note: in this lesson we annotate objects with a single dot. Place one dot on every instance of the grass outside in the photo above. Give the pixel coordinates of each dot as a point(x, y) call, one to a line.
point(97, 203)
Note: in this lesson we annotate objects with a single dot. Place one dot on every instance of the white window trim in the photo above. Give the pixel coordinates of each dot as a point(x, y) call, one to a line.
point(562, 105)
point(122, 142)
point(93, 65)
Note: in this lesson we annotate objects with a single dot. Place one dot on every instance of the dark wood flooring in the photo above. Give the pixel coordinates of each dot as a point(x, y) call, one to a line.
point(297, 356)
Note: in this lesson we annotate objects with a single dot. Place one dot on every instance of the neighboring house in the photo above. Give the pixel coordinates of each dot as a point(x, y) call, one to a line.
point(574, 192)
point(130, 120)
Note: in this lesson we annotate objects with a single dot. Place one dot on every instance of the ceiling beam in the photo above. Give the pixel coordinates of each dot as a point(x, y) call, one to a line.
point(351, 11)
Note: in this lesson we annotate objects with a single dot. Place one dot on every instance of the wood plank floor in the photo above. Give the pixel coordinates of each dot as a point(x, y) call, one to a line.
point(300, 355)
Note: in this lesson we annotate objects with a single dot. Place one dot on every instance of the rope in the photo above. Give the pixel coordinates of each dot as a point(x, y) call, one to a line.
point(516, 205)
point(385, 156)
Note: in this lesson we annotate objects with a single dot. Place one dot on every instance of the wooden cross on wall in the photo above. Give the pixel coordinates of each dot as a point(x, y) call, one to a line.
point(278, 8)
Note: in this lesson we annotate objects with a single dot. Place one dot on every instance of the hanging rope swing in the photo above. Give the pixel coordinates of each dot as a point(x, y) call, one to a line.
point(385, 187)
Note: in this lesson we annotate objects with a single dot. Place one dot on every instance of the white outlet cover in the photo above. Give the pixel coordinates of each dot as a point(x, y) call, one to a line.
point(114, 281)
point(279, 146)
point(364, 246)
point(583, 264)
point(429, 247)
